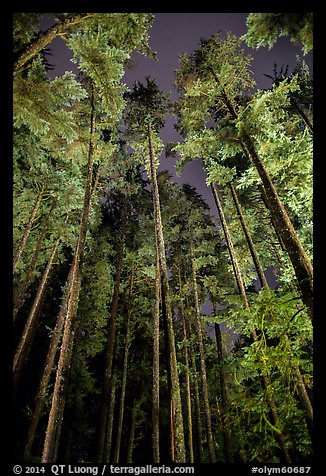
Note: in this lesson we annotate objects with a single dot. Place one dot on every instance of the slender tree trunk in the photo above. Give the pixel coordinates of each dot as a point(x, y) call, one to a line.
point(233, 257)
point(28, 227)
point(47, 37)
point(22, 292)
point(134, 414)
point(299, 259)
point(109, 352)
point(71, 306)
point(22, 352)
point(47, 370)
point(167, 349)
point(228, 450)
point(242, 290)
point(199, 333)
point(304, 116)
point(124, 375)
point(263, 196)
point(179, 444)
point(188, 388)
point(110, 416)
point(252, 248)
point(303, 396)
point(156, 367)
point(197, 403)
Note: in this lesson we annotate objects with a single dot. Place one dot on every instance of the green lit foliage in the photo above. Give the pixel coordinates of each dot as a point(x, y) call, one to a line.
point(264, 29)
point(284, 341)
point(286, 150)
point(25, 25)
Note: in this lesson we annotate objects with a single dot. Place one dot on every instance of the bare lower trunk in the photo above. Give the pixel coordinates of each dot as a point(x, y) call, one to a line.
point(22, 352)
point(109, 353)
point(197, 404)
point(233, 257)
point(251, 246)
point(109, 420)
point(124, 384)
point(188, 387)
point(240, 283)
point(46, 374)
point(179, 444)
point(156, 368)
point(199, 332)
point(134, 414)
point(228, 450)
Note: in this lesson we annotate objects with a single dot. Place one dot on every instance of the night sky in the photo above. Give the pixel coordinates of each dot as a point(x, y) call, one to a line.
point(171, 35)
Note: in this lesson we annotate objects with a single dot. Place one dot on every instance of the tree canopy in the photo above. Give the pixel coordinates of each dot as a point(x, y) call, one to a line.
point(147, 326)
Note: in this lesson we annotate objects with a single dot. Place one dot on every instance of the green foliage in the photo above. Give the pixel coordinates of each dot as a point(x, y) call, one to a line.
point(264, 29)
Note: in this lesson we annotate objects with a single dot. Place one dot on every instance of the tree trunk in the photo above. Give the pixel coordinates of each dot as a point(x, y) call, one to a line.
point(179, 444)
point(199, 332)
point(197, 403)
point(156, 367)
point(22, 352)
point(234, 260)
point(22, 292)
point(47, 37)
point(71, 304)
point(186, 351)
point(109, 352)
point(28, 227)
point(109, 420)
point(299, 259)
point(303, 396)
point(48, 367)
point(252, 248)
point(304, 116)
point(131, 444)
point(242, 290)
point(124, 375)
point(228, 450)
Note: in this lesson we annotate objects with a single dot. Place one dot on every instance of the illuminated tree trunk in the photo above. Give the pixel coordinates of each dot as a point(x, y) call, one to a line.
point(110, 415)
point(156, 368)
point(186, 354)
point(251, 246)
point(299, 259)
point(179, 444)
point(199, 333)
point(109, 353)
point(228, 450)
point(124, 375)
point(229, 243)
point(197, 402)
point(302, 392)
point(242, 290)
point(46, 38)
point(70, 306)
point(22, 352)
point(134, 414)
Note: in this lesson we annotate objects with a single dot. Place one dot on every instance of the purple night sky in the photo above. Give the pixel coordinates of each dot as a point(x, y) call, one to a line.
point(171, 35)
